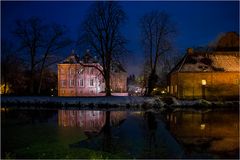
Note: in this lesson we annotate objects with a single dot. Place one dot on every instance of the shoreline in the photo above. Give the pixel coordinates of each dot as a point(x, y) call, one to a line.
point(130, 103)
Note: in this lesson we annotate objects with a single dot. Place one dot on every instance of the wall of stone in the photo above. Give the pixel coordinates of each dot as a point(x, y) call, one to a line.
point(188, 85)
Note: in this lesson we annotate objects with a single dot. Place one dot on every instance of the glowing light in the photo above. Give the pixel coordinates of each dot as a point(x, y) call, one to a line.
point(163, 92)
point(202, 126)
point(7, 89)
point(155, 89)
point(204, 82)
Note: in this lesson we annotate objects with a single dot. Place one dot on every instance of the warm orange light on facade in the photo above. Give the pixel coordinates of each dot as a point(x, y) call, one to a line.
point(204, 82)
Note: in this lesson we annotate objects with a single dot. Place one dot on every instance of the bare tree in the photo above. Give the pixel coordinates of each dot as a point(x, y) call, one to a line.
point(157, 32)
point(11, 76)
point(41, 42)
point(101, 31)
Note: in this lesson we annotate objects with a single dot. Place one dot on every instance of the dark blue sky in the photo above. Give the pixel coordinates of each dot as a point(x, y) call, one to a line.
point(197, 23)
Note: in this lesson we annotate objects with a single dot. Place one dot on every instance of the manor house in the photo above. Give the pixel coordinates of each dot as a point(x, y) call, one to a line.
point(82, 77)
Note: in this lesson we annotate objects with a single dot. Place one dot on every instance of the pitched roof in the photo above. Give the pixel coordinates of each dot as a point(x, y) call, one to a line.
point(72, 58)
point(214, 62)
point(117, 67)
point(88, 60)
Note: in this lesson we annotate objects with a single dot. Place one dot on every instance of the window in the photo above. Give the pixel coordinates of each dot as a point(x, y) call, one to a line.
point(62, 71)
point(71, 83)
point(71, 71)
point(63, 83)
point(175, 88)
point(171, 89)
point(80, 83)
point(91, 82)
point(91, 70)
point(236, 81)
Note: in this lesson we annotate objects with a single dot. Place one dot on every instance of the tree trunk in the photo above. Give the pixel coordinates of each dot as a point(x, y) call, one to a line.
point(40, 82)
point(107, 87)
point(151, 82)
point(32, 83)
point(107, 135)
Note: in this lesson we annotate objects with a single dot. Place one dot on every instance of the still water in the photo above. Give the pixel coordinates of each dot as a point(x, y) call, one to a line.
point(119, 134)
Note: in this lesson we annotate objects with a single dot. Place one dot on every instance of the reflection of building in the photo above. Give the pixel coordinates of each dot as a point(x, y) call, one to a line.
point(218, 129)
point(209, 75)
point(82, 77)
point(91, 121)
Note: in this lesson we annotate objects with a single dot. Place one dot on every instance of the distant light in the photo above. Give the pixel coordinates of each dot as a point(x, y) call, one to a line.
point(51, 89)
point(163, 92)
point(204, 82)
point(52, 95)
point(155, 89)
point(202, 126)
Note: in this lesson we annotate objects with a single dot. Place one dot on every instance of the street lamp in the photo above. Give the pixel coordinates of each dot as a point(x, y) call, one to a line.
point(204, 83)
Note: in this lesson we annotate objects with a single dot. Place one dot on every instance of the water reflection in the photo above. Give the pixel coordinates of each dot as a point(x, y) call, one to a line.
point(92, 122)
point(152, 127)
point(122, 134)
point(214, 132)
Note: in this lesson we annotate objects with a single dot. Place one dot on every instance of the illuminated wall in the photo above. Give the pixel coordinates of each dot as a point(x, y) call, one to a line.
point(188, 85)
point(78, 80)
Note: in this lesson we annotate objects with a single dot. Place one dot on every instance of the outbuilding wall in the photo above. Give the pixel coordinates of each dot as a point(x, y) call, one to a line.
point(188, 85)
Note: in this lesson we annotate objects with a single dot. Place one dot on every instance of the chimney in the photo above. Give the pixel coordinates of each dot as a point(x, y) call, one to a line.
point(190, 51)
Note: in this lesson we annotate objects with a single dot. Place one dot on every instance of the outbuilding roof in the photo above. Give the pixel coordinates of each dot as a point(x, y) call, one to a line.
point(209, 62)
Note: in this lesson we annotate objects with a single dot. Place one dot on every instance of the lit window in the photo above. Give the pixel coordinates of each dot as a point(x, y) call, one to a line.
point(204, 82)
point(171, 89)
point(175, 88)
point(71, 71)
point(63, 83)
point(91, 82)
point(71, 83)
point(80, 83)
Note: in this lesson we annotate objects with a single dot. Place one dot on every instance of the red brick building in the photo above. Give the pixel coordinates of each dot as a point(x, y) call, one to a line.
point(82, 77)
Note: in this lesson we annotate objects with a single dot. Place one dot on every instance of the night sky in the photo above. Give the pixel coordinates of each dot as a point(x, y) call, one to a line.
point(198, 23)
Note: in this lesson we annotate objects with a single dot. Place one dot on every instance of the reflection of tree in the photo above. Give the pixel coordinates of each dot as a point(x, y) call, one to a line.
point(103, 139)
point(107, 134)
point(152, 127)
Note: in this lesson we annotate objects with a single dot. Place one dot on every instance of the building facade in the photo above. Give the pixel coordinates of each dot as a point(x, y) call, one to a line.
point(82, 77)
point(207, 76)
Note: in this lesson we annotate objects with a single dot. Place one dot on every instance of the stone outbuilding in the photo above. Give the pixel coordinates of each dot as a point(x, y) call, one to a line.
point(213, 75)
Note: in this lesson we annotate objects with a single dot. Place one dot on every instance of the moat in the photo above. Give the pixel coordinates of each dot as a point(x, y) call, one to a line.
point(119, 134)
